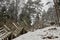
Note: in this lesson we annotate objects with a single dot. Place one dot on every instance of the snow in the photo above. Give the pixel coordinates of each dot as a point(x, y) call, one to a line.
point(48, 33)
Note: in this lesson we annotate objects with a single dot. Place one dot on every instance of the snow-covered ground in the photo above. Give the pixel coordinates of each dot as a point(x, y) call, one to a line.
point(48, 33)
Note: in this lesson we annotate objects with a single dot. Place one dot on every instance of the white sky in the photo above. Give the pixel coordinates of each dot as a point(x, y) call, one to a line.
point(47, 6)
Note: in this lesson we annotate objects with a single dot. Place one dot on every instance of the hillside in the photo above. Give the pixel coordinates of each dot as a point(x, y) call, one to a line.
point(48, 33)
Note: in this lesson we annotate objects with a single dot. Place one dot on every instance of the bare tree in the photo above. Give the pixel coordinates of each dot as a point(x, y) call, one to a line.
point(57, 10)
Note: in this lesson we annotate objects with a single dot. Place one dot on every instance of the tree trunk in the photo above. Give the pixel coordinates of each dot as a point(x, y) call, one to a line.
point(57, 11)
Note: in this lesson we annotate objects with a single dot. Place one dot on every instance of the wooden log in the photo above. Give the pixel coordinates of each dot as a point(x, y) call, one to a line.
point(6, 27)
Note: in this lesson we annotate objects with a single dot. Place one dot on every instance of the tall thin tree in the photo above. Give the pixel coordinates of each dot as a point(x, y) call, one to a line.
point(57, 11)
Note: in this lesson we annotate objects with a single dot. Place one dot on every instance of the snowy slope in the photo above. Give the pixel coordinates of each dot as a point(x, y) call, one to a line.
point(49, 33)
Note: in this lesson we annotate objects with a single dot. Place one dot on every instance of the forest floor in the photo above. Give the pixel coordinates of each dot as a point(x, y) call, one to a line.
point(48, 33)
